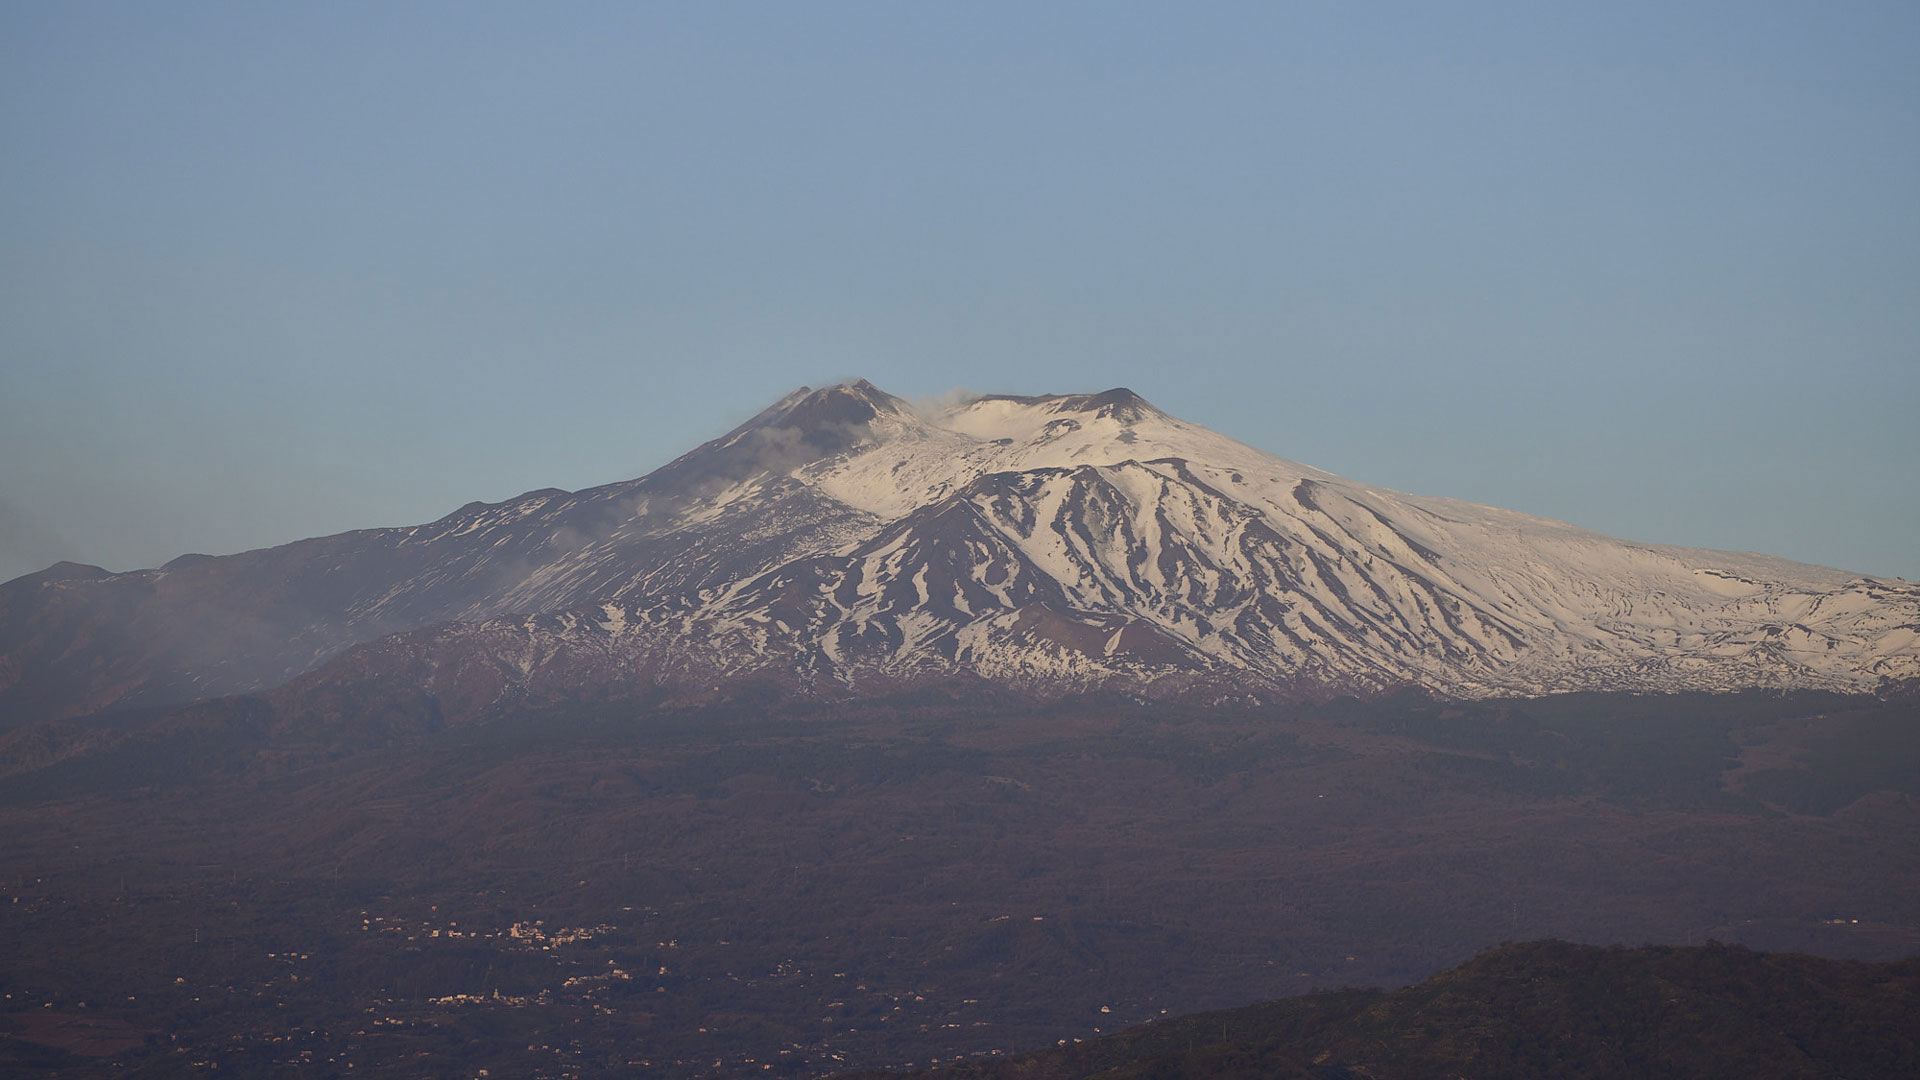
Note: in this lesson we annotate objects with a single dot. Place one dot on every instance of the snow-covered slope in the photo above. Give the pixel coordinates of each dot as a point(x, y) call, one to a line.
point(1093, 538)
point(844, 540)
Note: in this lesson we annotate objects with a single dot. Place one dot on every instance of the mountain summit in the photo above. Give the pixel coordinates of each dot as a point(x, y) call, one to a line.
point(845, 541)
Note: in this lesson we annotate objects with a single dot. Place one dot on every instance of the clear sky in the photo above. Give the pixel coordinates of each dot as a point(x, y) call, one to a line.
point(270, 271)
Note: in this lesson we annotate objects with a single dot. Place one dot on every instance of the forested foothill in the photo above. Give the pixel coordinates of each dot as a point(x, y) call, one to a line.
point(1544, 1009)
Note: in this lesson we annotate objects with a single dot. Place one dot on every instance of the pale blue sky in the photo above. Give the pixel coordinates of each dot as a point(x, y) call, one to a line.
point(269, 271)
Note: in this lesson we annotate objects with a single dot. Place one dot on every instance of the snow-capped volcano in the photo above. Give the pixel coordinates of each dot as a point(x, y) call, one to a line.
point(1090, 536)
point(844, 539)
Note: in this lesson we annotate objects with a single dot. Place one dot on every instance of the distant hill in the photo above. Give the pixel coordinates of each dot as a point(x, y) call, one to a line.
point(1539, 1009)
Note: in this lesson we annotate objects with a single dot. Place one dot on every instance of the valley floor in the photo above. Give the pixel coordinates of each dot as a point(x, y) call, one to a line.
point(733, 893)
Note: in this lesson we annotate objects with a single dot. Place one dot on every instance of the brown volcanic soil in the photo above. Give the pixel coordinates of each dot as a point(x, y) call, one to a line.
point(719, 891)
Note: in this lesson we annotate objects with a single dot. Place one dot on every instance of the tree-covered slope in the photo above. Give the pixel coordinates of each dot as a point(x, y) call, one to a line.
point(1539, 1009)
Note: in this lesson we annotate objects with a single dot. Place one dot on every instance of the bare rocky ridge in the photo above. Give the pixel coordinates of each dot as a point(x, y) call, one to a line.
point(845, 541)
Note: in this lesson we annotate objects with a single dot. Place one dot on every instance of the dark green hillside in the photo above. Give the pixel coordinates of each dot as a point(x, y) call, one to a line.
point(1540, 1009)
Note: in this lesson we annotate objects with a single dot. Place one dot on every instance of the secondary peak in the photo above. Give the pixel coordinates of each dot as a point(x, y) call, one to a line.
point(1118, 403)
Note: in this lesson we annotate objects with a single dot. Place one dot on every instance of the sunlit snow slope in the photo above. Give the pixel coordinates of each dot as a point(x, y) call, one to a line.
point(845, 541)
point(1091, 536)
